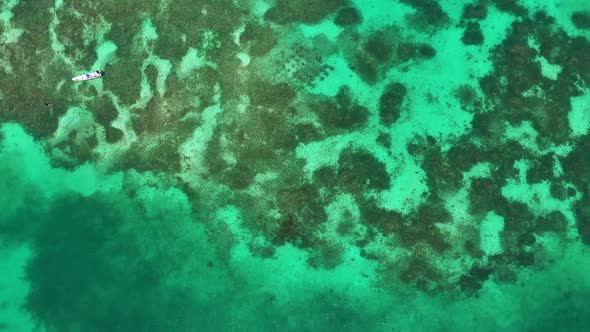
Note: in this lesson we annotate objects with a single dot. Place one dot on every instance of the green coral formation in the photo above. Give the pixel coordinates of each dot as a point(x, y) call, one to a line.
point(341, 112)
point(113, 135)
point(581, 20)
point(390, 103)
point(428, 13)
point(305, 11)
point(359, 171)
point(475, 11)
point(260, 38)
point(472, 34)
point(406, 147)
point(348, 16)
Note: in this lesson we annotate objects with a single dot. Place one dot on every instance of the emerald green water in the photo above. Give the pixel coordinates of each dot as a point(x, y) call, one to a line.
point(258, 165)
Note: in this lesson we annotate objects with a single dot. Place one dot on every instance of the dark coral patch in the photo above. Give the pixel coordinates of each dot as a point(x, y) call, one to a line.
point(365, 68)
point(582, 213)
point(239, 176)
point(430, 213)
point(163, 156)
point(466, 95)
point(510, 6)
point(418, 228)
point(464, 154)
point(326, 176)
point(77, 149)
point(125, 79)
point(170, 44)
point(476, 11)
point(273, 95)
point(302, 201)
point(264, 133)
point(426, 51)
point(421, 274)
point(575, 165)
point(112, 134)
point(290, 230)
point(516, 72)
point(35, 102)
point(430, 236)
point(307, 132)
point(517, 216)
point(359, 170)
point(384, 140)
point(558, 190)
point(421, 227)
point(472, 34)
point(390, 103)
point(302, 11)
point(260, 38)
point(384, 221)
point(429, 13)
point(34, 19)
point(553, 222)
point(542, 169)
point(348, 16)
point(381, 50)
point(69, 34)
point(223, 17)
point(343, 112)
point(305, 65)
point(159, 116)
point(103, 110)
point(326, 255)
point(581, 20)
point(407, 51)
point(259, 141)
point(443, 173)
point(380, 47)
point(474, 279)
point(484, 195)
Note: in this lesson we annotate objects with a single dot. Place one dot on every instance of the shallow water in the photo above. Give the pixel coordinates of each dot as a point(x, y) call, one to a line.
point(337, 165)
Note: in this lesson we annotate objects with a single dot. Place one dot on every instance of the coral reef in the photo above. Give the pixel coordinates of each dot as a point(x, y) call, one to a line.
point(362, 136)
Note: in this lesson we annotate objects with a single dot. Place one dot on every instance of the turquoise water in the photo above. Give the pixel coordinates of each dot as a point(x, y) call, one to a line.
point(259, 165)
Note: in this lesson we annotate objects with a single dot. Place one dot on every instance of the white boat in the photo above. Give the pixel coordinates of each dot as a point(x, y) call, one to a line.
point(88, 76)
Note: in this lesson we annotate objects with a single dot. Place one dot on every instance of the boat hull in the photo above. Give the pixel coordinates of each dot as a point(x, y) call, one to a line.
point(87, 76)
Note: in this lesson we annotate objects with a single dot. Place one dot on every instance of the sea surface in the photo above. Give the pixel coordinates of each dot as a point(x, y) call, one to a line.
point(295, 165)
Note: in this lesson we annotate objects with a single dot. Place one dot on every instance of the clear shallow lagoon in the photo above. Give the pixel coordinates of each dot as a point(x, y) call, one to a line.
point(337, 165)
